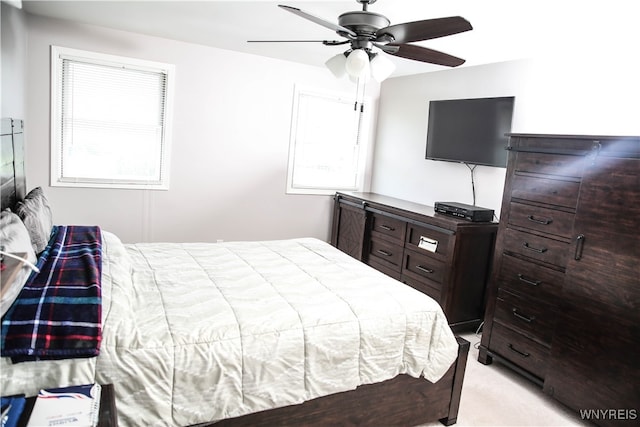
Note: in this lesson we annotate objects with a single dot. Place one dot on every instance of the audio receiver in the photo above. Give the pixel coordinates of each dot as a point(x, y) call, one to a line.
point(468, 212)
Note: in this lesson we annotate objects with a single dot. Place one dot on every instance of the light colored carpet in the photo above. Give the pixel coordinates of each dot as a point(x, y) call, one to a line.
point(493, 395)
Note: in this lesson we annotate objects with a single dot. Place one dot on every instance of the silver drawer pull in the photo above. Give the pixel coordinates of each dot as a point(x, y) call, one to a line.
point(521, 353)
point(579, 247)
point(528, 281)
point(385, 253)
point(424, 269)
point(428, 244)
point(386, 227)
point(531, 248)
point(522, 316)
point(539, 221)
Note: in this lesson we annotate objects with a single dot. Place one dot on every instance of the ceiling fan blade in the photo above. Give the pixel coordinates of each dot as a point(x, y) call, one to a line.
point(330, 25)
point(423, 54)
point(324, 42)
point(389, 48)
point(424, 30)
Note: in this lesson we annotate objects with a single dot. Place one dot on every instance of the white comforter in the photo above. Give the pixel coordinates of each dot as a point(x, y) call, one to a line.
point(198, 332)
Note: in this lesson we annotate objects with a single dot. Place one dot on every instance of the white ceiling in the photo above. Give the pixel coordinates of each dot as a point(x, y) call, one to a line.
point(503, 29)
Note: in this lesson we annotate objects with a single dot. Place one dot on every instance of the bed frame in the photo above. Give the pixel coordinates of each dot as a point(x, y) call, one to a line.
point(401, 401)
point(12, 177)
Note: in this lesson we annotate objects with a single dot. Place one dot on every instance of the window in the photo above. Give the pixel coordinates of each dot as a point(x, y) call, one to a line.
point(110, 120)
point(327, 150)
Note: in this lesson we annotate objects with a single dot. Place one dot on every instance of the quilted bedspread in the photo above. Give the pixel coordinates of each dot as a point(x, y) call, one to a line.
point(196, 332)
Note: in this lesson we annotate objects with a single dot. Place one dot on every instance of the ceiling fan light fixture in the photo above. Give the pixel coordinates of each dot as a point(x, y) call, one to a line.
point(337, 65)
point(357, 64)
point(362, 78)
point(381, 67)
point(364, 30)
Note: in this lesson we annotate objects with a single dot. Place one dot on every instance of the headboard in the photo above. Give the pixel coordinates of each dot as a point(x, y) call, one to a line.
point(12, 176)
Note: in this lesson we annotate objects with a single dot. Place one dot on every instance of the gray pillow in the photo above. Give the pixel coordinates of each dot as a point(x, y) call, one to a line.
point(14, 238)
point(36, 215)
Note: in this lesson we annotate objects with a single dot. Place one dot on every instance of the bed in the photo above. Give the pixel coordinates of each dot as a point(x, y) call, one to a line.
point(286, 332)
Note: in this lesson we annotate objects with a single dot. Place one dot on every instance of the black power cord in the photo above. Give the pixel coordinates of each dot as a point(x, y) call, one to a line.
point(473, 182)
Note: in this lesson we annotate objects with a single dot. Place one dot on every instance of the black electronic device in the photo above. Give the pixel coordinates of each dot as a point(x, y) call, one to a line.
point(471, 131)
point(461, 210)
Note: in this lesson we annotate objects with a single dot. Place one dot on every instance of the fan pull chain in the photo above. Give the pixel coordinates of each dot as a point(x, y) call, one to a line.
point(360, 116)
point(359, 100)
point(361, 84)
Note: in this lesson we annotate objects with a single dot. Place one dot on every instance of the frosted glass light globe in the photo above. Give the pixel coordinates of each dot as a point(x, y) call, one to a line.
point(337, 64)
point(381, 67)
point(357, 63)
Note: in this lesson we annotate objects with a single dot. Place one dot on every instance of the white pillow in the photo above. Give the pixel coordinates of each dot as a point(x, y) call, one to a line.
point(14, 238)
point(35, 213)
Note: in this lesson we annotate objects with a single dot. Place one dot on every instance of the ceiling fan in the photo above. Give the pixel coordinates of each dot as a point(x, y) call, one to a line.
point(364, 30)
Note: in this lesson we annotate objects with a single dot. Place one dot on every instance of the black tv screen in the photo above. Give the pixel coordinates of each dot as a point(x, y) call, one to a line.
point(470, 130)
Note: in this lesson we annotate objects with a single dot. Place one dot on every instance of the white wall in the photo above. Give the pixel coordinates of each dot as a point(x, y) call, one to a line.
point(14, 51)
point(230, 143)
point(232, 123)
point(562, 94)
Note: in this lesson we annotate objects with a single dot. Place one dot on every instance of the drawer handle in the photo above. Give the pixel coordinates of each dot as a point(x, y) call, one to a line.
point(531, 282)
point(531, 248)
point(522, 316)
point(386, 227)
point(579, 247)
point(521, 353)
point(383, 252)
point(424, 269)
point(539, 221)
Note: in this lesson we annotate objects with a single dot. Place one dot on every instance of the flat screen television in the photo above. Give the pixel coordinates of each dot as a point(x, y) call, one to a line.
point(470, 131)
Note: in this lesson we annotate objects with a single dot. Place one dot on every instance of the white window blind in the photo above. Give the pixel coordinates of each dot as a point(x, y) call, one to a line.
point(111, 121)
point(328, 143)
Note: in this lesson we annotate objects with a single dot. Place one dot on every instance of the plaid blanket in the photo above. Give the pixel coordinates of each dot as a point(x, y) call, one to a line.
point(58, 312)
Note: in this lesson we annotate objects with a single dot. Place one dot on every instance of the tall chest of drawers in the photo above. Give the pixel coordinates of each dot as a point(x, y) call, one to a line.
point(564, 294)
point(445, 257)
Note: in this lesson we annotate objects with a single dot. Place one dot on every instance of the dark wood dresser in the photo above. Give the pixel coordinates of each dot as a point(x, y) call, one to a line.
point(563, 303)
point(445, 257)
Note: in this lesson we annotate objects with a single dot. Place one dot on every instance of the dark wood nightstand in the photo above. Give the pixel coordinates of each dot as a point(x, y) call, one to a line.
point(108, 416)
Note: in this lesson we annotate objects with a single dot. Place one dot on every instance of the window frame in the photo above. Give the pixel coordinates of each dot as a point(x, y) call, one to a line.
point(363, 139)
point(57, 180)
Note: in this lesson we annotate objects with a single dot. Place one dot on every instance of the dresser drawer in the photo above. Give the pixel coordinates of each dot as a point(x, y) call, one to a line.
point(519, 349)
point(550, 164)
point(536, 247)
point(386, 252)
point(425, 240)
point(384, 268)
point(533, 318)
point(388, 227)
point(555, 192)
point(541, 219)
point(530, 280)
point(424, 266)
point(433, 289)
